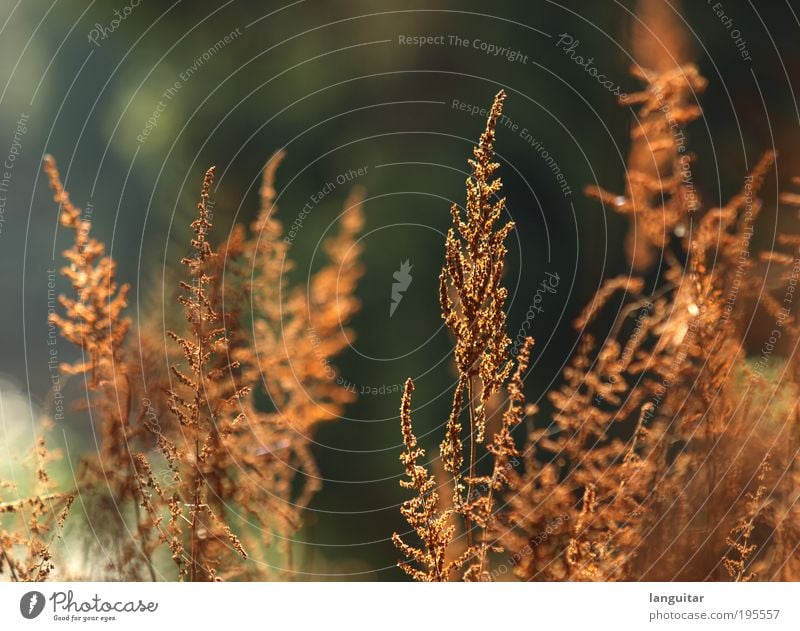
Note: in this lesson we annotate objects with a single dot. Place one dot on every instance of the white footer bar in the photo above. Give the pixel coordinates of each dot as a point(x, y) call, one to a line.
point(401, 606)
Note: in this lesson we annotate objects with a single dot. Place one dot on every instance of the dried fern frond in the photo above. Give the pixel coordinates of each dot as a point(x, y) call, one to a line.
point(481, 508)
point(472, 299)
point(660, 190)
point(433, 527)
point(649, 427)
point(30, 525)
point(739, 538)
point(474, 265)
point(93, 319)
point(205, 401)
point(288, 357)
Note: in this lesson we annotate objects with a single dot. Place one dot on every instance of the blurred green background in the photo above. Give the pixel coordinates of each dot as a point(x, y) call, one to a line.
point(332, 84)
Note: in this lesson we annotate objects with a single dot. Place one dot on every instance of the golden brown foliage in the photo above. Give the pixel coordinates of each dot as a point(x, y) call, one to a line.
point(94, 321)
point(295, 333)
point(659, 429)
point(660, 191)
point(204, 401)
point(670, 449)
point(739, 539)
point(432, 525)
point(30, 525)
point(472, 299)
point(230, 466)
